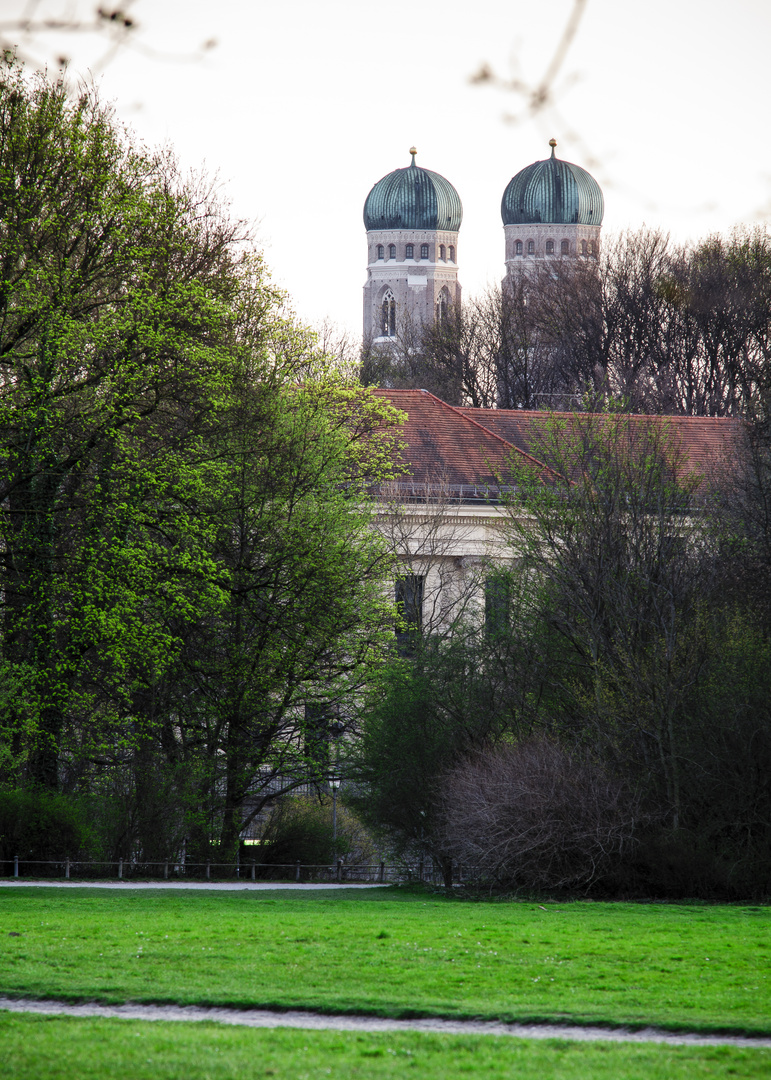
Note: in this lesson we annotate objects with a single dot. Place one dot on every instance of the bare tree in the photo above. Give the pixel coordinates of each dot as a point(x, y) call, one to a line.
point(535, 816)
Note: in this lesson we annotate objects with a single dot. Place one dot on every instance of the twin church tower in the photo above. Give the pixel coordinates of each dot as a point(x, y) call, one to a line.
point(551, 210)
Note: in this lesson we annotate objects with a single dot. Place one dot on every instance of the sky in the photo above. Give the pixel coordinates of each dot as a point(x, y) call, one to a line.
point(300, 106)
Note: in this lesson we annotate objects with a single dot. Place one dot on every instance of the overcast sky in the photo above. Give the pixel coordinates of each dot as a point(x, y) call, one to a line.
point(303, 105)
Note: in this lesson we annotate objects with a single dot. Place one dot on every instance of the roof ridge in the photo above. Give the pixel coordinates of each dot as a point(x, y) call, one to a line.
point(487, 431)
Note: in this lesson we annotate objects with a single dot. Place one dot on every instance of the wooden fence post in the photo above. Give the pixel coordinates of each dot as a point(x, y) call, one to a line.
point(16, 866)
point(297, 872)
point(67, 870)
point(120, 869)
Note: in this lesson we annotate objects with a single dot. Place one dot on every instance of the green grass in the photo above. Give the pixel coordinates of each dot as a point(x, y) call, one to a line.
point(66, 1048)
point(394, 953)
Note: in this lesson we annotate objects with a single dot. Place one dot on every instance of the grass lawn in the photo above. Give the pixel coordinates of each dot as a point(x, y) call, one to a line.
point(394, 953)
point(53, 1047)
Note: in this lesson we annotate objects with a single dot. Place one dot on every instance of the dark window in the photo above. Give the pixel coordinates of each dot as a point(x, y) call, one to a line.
point(410, 253)
point(442, 304)
point(452, 253)
point(583, 247)
point(424, 251)
point(531, 247)
point(518, 247)
point(565, 247)
point(497, 603)
point(380, 251)
point(408, 593)
point(549, 247)
point(592, 248)
point(442, 252)
point(392, 251)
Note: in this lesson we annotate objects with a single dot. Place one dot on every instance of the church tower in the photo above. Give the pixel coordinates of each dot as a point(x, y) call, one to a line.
point(551, 210)
point(412, 217)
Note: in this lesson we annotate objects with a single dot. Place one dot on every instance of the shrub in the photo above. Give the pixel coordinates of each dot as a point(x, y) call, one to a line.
point(300, 830)
point(41, 825)
point(534, 816)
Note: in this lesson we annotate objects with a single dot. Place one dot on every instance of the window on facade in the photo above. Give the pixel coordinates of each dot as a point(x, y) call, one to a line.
point(497, 603)
point(442, 252)
point(380, 251)
point(424, 251)
point(518, 247)
point(409, 252)
point(592, 250)
point(549, 247)
point(392, 251)
point(408, 593)
point(442, 306)
point(565, 247)
point(452, 253)
point(531, 247)
point(388, 315)
point(583, 247)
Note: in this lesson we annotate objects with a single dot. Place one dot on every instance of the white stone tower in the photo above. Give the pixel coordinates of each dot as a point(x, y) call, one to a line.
point(412, 217)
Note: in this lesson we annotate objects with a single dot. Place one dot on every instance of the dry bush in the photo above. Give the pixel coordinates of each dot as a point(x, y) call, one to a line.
point(535, 816)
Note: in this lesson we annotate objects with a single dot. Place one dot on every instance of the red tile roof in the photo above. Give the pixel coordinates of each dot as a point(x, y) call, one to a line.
point(445, 446)
point(707, 444)
point(466, 448)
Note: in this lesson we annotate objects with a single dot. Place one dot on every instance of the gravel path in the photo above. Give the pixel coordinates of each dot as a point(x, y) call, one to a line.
point(220, 886)
point(264, 1018)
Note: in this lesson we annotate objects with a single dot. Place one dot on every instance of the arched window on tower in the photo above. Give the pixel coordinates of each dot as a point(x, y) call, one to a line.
point(424, 251)
point(380, 251)
point(388, 315)
point(452, 253)
point(531, 247)
point(518, 247)
point(592, 248)
point(549, 247)
point(409, 252)
point(565, 247)
point(392, 251)
point(442, 252)
point(442, 306)
point(583, 247)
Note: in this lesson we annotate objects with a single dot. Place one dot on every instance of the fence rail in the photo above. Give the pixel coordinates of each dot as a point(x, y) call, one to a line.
point(176, 870)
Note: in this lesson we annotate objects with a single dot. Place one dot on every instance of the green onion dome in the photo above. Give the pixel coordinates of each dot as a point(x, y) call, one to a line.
point(413, 198)
point(552, 192)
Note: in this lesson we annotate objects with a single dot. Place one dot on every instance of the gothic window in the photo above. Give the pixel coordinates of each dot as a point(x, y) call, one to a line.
point(392, 251)
point(442, 305)
point(442, 252)
point(518, 247)
point(424, 251)
point(592, 250)
point(380, 251)
point(583, 247)
point(565, 247)
point(410, 252)
point(388, 315)
point(531, 247)
point(452, 253)
point(549, 247)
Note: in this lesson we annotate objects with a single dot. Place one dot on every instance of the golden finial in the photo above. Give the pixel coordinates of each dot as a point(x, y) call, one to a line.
point(413, 151)
point(552, 144)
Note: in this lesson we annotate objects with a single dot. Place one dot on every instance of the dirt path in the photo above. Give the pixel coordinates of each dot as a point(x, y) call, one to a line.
point(219, 886)
point(264, 1018)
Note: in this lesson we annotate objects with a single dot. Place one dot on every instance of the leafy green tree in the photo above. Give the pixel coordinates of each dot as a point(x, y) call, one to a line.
point(115, 282)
